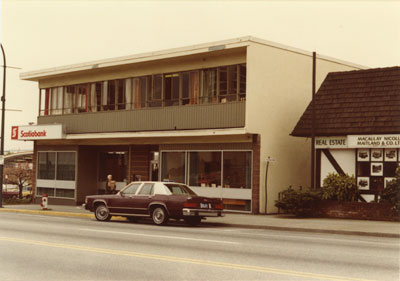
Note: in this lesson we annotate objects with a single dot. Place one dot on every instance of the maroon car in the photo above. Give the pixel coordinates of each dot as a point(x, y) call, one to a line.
point(158, 200)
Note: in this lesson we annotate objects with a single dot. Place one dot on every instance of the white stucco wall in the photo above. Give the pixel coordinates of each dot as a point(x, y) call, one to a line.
point(346, 159)
point(279, 88)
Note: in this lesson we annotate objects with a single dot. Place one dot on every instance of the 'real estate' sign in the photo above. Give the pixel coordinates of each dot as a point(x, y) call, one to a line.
point(331, 142)
point(39, 132)
point(367, 141)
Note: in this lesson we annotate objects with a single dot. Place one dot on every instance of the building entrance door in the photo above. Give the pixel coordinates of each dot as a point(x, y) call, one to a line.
point(154, 164)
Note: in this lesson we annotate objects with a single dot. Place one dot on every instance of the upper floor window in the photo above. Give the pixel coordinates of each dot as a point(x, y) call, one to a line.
point(224, 84)
point(171, 89)
point(213, 85)
point(136, 90)
point(154, 96)
point(190, 87)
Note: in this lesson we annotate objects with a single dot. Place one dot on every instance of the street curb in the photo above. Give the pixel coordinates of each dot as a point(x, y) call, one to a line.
point(205, 223)
point(46, 213)
point(310, 230)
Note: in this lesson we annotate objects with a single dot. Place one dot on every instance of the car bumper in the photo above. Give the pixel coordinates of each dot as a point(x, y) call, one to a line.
point(202, 213)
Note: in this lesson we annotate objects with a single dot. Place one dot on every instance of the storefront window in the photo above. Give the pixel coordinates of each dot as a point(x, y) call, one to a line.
point(66, 166)
point(237, 204)
point(237, 169)
point(53, 167)
point(205, 169)
point(173, 166)
point(66, 193)
point(45, 190)
point(212, 172)
point(47, 165)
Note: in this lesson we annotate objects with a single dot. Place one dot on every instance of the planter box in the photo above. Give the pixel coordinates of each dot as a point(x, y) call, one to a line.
point(357, 210)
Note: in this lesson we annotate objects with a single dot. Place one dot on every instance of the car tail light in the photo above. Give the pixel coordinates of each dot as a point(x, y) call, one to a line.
point(219, 206)
point(190, 205)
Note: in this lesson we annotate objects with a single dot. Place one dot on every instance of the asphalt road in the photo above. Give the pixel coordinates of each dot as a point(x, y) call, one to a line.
point(34, 247)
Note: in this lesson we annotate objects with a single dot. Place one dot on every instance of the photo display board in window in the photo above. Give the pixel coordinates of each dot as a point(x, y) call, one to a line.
point(376, 167)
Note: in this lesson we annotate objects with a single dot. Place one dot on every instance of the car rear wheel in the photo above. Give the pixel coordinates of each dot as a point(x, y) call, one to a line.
point(102, 213)
point(193, 221)
point(160, 216)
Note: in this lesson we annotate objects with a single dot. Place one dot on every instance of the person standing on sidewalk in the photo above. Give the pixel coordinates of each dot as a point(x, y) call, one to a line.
point(110, 185)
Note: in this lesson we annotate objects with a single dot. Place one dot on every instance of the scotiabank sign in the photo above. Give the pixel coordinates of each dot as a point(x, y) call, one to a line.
point(44, 132)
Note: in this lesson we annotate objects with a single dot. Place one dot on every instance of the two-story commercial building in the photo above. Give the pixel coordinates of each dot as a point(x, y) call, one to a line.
point(206, 115)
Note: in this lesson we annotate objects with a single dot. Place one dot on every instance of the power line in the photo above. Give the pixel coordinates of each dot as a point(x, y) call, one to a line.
point(14, 67)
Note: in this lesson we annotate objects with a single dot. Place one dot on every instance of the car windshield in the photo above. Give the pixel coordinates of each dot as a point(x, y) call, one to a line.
point(177, 189)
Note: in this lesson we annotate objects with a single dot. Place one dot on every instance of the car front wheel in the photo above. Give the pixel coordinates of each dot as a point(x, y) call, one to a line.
point(102, 213)
point(160, 216)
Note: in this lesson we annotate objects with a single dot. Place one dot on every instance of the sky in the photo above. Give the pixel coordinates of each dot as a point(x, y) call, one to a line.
point(46, 34)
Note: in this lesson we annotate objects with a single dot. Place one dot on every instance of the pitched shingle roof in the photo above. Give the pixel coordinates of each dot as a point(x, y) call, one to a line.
point(355, 102)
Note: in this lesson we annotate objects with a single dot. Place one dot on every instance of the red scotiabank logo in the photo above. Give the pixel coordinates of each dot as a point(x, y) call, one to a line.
point(33, 134)
point(14, 132)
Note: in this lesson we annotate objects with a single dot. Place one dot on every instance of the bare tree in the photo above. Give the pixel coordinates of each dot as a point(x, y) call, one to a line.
point(20, 175)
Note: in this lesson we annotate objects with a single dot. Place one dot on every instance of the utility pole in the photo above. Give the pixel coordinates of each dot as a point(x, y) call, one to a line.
point(3, 100)
point(313, 122)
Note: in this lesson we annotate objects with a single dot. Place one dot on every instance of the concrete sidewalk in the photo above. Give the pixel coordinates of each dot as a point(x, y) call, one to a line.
point(271, 222)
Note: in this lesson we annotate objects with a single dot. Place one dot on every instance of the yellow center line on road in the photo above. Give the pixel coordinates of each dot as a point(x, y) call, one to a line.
point(182, 260)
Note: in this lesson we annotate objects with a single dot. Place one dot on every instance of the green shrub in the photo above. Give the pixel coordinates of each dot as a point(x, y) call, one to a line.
point(300, 203)
point(340, 188)
point(391, 194)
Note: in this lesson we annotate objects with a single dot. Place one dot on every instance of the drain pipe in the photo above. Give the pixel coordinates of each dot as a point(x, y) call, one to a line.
point(268, 160)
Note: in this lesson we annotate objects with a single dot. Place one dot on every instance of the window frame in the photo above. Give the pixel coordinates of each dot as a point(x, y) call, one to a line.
point(187, 168)
point(130, 186)
point(145, 184)
point(100, 92)
point(54, 183)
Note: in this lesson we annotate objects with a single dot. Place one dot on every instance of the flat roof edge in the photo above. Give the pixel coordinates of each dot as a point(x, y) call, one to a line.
point(170, 53)
point(142, 57)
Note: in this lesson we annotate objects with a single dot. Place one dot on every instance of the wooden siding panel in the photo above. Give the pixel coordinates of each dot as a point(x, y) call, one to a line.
point(140, 162)
point(209, 116)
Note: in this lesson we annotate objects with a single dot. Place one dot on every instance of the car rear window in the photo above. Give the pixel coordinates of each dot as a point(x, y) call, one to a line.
point(179, 189)
point(147, 189)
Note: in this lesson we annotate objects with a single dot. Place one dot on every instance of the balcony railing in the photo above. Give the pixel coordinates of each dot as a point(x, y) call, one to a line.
point(205, 116)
